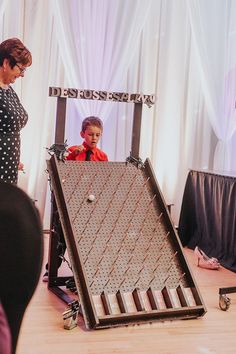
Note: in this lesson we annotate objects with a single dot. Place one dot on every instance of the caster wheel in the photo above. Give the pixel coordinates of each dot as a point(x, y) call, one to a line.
point(224, 302)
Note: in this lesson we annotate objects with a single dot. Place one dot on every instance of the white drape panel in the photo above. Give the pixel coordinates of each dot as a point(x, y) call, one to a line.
point(2, 7)
point(172, 131)
point(183, 51)
point(97, 40)
point(214, 32)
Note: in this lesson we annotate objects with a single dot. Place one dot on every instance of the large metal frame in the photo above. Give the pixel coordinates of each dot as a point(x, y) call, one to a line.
point(140, 273)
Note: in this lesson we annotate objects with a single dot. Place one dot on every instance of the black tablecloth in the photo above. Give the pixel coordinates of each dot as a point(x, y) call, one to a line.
point(208, 216)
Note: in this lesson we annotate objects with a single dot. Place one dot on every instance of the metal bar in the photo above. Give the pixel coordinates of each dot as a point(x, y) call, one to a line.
point(229, 290)
point(61, 294)
point(53, 245)
point(60, 120)
point(136, 131)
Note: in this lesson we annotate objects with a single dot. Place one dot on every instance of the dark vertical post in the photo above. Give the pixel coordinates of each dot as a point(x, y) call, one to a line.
point(60, 120)
point(53, 244)
point(136, 131)
point(54, 237)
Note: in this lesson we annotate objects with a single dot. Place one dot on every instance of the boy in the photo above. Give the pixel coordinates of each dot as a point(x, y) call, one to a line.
point(91, 132)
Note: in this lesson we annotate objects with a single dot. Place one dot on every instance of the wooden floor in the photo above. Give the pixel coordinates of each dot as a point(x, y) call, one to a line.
point(42, 329)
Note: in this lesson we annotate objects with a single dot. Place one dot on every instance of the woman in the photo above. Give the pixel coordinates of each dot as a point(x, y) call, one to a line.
point(14, 59)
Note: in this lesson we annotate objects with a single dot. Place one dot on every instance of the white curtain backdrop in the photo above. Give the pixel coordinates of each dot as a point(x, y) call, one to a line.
point(183, 51)
point(95, 38)
point(213, 28)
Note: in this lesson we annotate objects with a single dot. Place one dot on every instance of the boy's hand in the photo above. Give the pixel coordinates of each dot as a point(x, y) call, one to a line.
point(78, 149)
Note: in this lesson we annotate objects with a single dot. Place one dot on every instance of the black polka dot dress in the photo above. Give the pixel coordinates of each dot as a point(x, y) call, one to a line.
point(13, 118)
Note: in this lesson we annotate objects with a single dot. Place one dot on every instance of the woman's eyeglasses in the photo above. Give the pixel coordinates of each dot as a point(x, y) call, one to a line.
point(22, 70)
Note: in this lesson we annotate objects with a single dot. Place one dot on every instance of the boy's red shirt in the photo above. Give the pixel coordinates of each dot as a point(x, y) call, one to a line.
point(97, 154)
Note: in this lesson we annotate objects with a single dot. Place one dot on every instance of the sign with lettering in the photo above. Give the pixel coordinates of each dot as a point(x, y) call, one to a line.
point(102, 95)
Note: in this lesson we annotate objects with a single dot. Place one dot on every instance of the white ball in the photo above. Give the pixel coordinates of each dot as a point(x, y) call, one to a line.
point(91, 198)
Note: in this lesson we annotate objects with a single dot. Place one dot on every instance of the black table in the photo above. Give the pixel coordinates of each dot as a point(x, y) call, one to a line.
point(208, 215)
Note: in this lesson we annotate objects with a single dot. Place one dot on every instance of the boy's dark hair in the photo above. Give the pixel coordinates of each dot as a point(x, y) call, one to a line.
point(92, 121)
point(15, 51)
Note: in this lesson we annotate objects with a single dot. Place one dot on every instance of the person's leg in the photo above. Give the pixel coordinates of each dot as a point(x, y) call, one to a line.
point(61, 246)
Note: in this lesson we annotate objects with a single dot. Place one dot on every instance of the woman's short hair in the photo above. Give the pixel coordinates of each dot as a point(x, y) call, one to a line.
point(15, 51)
